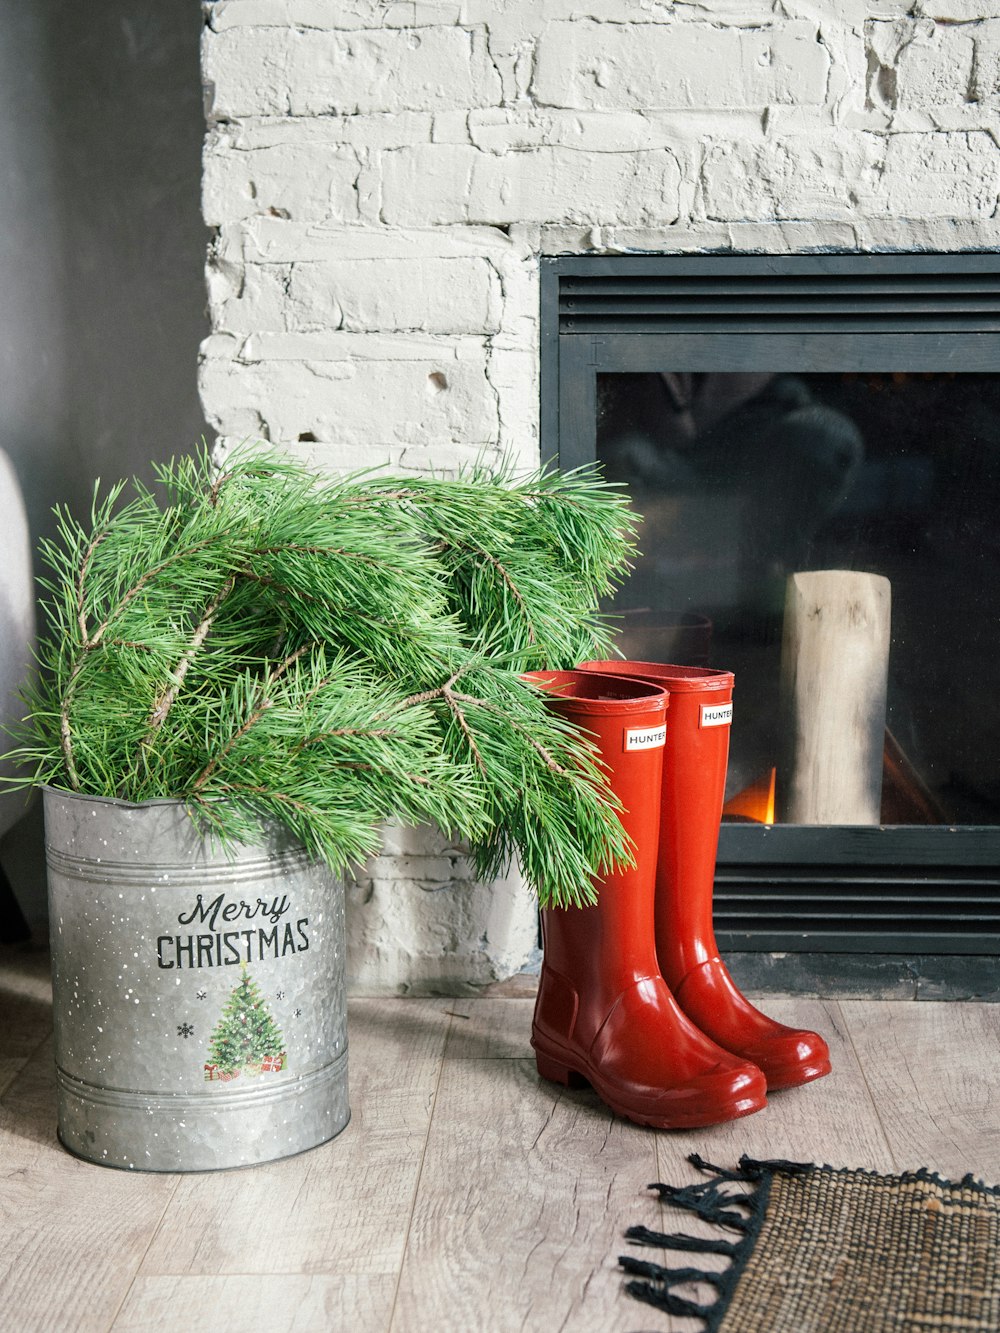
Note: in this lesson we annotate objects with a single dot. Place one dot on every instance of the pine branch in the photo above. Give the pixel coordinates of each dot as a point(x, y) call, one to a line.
point(263, 704)
point(551, 763)
point(330, 653)
point(165, 701)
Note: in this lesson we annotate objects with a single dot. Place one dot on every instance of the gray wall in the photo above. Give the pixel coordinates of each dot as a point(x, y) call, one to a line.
point(102, 252)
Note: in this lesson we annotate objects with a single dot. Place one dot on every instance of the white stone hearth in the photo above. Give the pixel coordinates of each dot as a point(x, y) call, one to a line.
point(383, 178)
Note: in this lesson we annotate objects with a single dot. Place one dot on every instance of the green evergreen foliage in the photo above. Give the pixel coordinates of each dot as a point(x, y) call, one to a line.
point(266, 644)
point(246, 1033)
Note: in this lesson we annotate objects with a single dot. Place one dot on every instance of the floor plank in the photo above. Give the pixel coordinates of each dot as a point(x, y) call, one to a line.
point(250, 1303)
point(524, 1193)
point(932, 1070)
point(341, 1210)
point(494, 1029)
point(25, 1007)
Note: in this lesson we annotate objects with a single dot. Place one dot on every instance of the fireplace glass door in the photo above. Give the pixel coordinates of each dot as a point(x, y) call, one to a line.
point(774, 417)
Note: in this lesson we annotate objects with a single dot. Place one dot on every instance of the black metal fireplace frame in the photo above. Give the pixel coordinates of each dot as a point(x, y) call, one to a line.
point(902, 893)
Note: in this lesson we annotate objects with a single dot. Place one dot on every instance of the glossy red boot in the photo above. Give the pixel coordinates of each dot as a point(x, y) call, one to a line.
point(604, 1012)
point(694, 779)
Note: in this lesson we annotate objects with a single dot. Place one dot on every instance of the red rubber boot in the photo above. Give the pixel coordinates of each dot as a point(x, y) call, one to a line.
point(694, 780)
point(604, 1012)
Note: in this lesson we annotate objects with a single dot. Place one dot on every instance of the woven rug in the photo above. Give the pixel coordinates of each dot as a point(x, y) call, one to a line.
point(810, 1249)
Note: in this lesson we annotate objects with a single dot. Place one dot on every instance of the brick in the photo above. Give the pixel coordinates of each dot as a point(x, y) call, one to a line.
point(340, 392)
point(274, 71)
point(916, 64)
point(936, 176)
point(986, 69)
point(641, 66)
point(936, 72)
point(794, 178)
point(337, 458)
point(379, 130)
point(502, 129)
point(324, 15)
point(513, 374)
point(269, 240)
point(294, 180)
point(454, 295)
point(861, 175)
point(249, 299)
point(958, 11)
point(452, 183)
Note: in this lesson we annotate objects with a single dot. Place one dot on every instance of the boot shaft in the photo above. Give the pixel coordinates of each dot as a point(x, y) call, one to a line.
point(695, 760)
point(613, 939)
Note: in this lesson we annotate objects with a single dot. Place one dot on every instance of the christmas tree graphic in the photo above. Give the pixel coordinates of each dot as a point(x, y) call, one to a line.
point(246, 1038)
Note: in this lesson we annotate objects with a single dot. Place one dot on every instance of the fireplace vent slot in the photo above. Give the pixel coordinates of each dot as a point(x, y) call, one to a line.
point(822, 297)
point(881, 890)
point(840, 907)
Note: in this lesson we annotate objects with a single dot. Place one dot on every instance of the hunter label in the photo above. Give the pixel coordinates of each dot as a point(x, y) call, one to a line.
point(646, 738)
point(716, 715)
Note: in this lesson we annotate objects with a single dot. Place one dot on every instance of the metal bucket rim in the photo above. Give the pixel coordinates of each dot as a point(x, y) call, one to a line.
point(113, 800)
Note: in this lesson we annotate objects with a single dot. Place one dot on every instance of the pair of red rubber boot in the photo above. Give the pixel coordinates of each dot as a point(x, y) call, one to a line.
point(633, 996)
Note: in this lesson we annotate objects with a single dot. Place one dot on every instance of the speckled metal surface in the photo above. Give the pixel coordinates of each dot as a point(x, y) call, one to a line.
point(154, 931)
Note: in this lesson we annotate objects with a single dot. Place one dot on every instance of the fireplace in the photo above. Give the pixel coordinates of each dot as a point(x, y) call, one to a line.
point(771, 415)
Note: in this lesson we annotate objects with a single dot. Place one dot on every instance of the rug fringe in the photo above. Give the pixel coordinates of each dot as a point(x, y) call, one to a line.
point(710, 1200)
point(678, 1241)
point(658, 1290)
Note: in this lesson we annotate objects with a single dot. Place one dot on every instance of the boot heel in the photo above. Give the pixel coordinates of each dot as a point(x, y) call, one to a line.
point(556, 1072)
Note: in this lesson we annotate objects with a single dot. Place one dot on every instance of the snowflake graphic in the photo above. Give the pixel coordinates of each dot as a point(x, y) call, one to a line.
point(279, 994)
point(298, 1013)
point(185, 1030)
point(201, 995)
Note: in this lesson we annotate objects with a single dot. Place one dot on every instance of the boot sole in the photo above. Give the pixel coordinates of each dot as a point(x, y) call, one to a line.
point(794, 1078)
point(556, 1069)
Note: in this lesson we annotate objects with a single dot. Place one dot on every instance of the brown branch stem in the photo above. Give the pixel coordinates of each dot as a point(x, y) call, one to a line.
point(316, 550)
point(264, 704)
point(164, 703)
point(94, 641)
point(551, 762)
point(446, 693)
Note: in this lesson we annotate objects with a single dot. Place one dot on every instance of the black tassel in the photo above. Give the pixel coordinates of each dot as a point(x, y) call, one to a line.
point(745, 1173)
point(670, 1277)
point(706, 1200)
point(666, 1300)
point(660, 1240)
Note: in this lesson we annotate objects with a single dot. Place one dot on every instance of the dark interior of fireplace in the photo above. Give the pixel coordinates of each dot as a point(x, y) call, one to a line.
point(744, 478)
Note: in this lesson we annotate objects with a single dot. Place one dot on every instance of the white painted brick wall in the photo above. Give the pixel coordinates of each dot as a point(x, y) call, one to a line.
point(465, 184)
point(657, 67)
point(383, 177)
point(292, 71)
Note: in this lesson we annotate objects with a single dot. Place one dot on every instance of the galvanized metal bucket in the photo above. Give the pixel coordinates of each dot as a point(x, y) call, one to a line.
point(199, 994)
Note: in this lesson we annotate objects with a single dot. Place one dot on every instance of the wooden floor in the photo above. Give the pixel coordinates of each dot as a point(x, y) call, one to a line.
point(464, 1195)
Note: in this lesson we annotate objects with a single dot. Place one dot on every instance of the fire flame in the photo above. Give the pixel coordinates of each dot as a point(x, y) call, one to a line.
point(755, 802)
